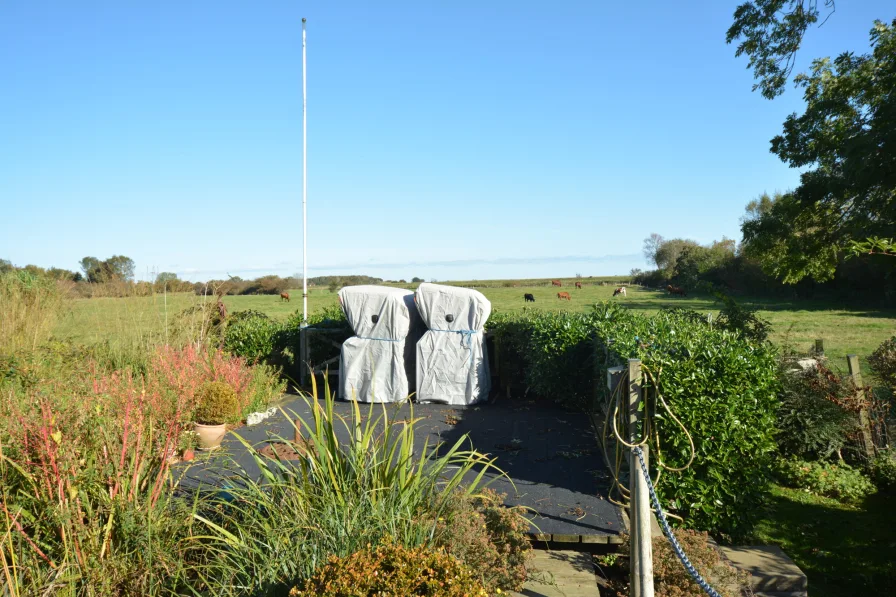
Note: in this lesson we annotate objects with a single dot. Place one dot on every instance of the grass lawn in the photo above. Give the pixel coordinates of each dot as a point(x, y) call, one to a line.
point(845, 330)
point(844, 550)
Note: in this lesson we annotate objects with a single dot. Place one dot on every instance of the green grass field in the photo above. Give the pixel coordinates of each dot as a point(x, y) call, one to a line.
point(844, 550)
point(845, 330)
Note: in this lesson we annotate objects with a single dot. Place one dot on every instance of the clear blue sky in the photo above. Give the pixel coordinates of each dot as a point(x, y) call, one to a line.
point(447, 140)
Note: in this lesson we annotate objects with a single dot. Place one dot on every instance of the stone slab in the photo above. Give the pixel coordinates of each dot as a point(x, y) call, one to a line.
point(770, 569)
point(560, 573)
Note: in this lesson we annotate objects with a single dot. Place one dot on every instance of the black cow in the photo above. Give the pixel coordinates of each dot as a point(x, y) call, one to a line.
point(529, 298)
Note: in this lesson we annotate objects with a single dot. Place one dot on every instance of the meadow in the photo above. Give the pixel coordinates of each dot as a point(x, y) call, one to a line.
point(796, 323)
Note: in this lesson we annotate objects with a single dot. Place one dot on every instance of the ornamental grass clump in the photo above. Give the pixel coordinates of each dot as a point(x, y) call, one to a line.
point(360, 480)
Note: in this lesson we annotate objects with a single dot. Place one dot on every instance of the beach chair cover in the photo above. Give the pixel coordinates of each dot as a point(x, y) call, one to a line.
point(376, 364)
point(452, 360)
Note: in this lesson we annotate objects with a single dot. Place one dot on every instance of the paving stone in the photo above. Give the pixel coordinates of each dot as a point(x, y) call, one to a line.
point(770, 569)
point(560, 573)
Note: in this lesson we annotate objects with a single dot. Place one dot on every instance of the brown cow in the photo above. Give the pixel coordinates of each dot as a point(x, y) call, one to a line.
point(579, 285)
point(676, 290)
point(284, 296)
point(620, 290)
point(563, 295)
point(556, 283)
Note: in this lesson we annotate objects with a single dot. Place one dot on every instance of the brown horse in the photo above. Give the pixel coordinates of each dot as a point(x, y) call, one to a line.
point(284, 296)
point(563, 295)
point(676, 290)
point(222, 310)
point(579, 285)
point(556, 283)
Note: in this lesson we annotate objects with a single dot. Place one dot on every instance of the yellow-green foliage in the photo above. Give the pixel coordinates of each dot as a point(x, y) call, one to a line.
point(217, 404)
point(29, 308)
point(392, 570)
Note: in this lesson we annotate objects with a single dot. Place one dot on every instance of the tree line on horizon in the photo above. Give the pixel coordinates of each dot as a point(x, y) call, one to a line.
point(115, 277)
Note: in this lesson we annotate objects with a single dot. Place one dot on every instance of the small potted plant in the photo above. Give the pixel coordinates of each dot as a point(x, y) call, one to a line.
point(216, 405)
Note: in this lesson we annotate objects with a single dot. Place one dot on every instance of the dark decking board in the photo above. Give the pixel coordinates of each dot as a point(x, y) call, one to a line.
point(551, 456)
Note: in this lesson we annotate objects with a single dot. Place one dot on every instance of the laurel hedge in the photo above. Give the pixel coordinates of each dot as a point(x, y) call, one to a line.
point(722, 385)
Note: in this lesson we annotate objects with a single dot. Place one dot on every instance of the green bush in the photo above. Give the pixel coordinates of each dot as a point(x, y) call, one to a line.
point(737, 318)
point(721, 385)
point(839, 481)
point(216, 404)
point(251, 335)
point(489, 538)
point(811, 422)
point(392, 570)
point(883, 363)
point(882, 471)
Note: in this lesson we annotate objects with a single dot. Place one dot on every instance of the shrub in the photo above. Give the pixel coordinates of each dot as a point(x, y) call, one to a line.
point(882, 471)
point(722, 386)
point(200, 324)
point(883, 363)
point(488, 538)
point(392, 570)
point(652, 279)
point(251, 335)
point(811, 422)
point(216, 404)
point(86, 487)
point(670, 577)
point(736, 318)
point(839, 481)
point(267, 285)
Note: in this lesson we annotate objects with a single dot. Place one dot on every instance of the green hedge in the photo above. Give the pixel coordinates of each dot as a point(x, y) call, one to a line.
point(722, 386)
point(259, 338)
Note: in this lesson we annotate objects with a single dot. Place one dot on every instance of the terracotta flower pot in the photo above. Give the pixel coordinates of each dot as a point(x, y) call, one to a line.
point(210, 436)
point(188, 456)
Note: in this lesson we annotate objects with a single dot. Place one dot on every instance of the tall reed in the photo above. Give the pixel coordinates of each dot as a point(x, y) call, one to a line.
point(30, 305)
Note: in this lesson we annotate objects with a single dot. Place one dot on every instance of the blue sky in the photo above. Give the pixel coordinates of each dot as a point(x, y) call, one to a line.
point(447, 140)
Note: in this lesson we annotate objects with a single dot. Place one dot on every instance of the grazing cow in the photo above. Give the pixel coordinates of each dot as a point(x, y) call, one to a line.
point(528, 298)
point(579, 285)
point(563, 295)
point(556, 283)
point(620, 290)
point(284, 296)
point(676, 290)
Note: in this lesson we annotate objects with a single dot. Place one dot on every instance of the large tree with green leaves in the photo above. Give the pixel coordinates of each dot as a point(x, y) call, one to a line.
point(115, 268)
point(770, 32)
point(846, 138)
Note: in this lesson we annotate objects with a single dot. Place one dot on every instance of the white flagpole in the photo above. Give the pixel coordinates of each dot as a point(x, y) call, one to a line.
point(304, 185)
